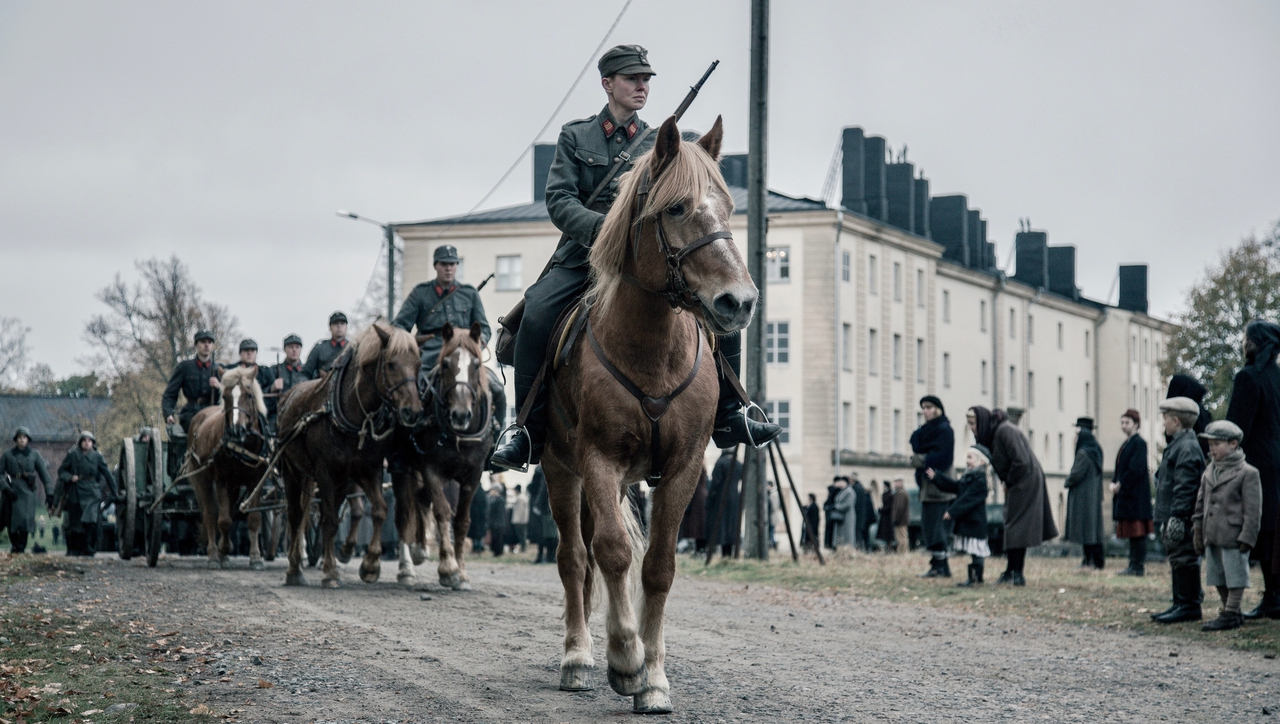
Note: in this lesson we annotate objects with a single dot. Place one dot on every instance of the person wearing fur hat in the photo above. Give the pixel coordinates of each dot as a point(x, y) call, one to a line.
point(1177, 482)
point(1224, 526)
point(1131, 494)
point(968, 511)
point(933, 446)
point(1084, 496)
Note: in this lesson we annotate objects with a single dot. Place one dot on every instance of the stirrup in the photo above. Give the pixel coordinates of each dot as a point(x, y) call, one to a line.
point(747, 419)
point(528, 458)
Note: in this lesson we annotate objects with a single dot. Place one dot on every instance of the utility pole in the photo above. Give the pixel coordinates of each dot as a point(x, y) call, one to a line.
point(755, 495)
point(390, 230)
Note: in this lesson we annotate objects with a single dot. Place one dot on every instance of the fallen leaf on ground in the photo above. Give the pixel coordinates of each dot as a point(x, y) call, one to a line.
point(264, 684)
point(201, 709)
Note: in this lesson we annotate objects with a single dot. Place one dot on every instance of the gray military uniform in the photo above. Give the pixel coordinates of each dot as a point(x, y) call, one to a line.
point(460, 309)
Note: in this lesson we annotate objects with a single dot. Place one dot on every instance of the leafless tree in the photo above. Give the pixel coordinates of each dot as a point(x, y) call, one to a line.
point(13, 350)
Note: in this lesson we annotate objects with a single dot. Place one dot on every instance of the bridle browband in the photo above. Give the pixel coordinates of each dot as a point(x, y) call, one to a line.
point(440, 406)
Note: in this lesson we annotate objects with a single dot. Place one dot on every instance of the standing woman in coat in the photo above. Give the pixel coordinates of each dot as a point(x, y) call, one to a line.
point(1255, 408)
point(1028, 518)
point(1084, 496)
point(1131, 494)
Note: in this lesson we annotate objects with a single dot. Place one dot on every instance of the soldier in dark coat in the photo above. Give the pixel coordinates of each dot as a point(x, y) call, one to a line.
point(1084, 497)
point(933, 445)
point(586, 150)
point(22, 473)
point(445, 300)
point(1255, 408)
point(265, 376)
point(325, 351)
point(84, 482)
point(1131, 494)
point(723, 501)
point(289, 372)
point(196, 379)
point(1177, 484)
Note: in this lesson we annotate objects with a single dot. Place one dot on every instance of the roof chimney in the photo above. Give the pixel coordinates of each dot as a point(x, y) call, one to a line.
point(733, 166)
point(543, 155)
point(948, 216)
point(1032, 258)
point(1062, 271)
point(900, 189)
point(851, 177)
point(873, 167)
point(1133, 288)
point(921, 209)
point(977, 238)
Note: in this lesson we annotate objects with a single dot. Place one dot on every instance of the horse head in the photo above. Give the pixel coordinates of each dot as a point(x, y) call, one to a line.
point(242, 401)
point(463, 381)
point(668, 232)
point(388, 356)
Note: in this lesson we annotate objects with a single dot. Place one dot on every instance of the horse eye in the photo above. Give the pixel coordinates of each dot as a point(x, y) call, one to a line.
point(675, 210)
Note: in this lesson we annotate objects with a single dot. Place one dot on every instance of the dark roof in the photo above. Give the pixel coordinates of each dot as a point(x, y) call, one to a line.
point(537, 210)
point(49, 418)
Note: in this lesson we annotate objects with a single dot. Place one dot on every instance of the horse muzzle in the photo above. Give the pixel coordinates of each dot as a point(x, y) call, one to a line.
point(730, 311)
point(460, 419)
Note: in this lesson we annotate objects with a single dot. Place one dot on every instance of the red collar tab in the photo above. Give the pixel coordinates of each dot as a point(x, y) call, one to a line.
point(440, 291)
point(203, 365)
point(632, 129)
point(609, 127)
point(293, 368)
point(338, 342)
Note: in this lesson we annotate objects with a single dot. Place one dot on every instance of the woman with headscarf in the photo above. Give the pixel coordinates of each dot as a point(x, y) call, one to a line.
point(1084, 496)
point(1131, 494)
point(1028, 519)
point(1255, 408)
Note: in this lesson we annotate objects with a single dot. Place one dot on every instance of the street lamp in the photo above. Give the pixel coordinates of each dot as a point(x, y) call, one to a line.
point(389, 231)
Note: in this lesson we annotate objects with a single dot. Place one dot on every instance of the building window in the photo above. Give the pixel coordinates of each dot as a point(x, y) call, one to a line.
point(897, 431)
point(1133, 395)
point(846, 342)
point(1059, 394)
point(846, 425)
point(946, 370)
point(460, 275)
point(897, 282)
point(779, 412)
point(1133, 348)
point(1031, 390)
point(1146, 399)
point(873, 275)
point(777, 343)
point(844, 266)
point(897, 356)
point(1013, 382)
point(1145, 349)
point(1013, 323)
point(1062, 450)
point(508, 276)
point(1086, 398)
point(1086, 343)
point(873, 352)
point(920, 287)
point(982, 315)
point(1031, 329)
point(1059, 335)
point(946, 306)
point(777, 262)
point(984, 377)
point(919, 360)
point(873, 428)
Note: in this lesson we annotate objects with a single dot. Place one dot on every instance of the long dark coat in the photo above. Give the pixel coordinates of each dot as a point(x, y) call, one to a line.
point(1133, 500)
point(537, 490)
point(1028, 516)
point(95, 484)
point(1255, 407)
point(27, 471)
point(812, 514)
point(725, 477)
point(969, 509)
point(935, 441)
point(1084, 501)
point(694, 523)
point(479, 524)
point(885, 531)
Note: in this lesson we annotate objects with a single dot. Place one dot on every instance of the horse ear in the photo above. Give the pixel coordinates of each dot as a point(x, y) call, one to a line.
point(383, 334)
point(711, 141)
point(476, 331)
point(667, 146)
point(446, 332)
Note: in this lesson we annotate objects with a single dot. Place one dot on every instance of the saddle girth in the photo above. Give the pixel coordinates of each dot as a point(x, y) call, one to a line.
point(654, 407)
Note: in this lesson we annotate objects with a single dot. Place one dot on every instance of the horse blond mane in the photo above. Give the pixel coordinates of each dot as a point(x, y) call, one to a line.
point(685, 179)
point(236, 376)
point(368, 347)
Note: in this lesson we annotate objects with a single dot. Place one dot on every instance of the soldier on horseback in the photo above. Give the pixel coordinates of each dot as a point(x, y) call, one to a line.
point(326, 351)
point(289, 372)
point(196, 379)
point(445, 300)
point(584, 154)
point(265, 376)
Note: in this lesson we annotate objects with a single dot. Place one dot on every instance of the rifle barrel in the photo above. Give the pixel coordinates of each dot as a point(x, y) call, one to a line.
point(693, 91)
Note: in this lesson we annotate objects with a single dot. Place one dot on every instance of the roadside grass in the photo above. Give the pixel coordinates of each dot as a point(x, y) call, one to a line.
point(1056, 591)
point(58, 665)
point(44, 521)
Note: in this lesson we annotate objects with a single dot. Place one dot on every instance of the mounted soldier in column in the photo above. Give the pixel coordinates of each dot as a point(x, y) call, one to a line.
point(196, 379)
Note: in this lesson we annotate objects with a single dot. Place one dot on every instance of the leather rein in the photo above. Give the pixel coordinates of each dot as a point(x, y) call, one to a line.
point(440, 408)
point(378, 424)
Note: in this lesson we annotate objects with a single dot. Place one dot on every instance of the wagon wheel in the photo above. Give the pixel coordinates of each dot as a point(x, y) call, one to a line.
point(154, 539)
point(126, 514)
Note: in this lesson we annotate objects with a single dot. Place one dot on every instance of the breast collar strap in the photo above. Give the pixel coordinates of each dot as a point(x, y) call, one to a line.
point(654, 407)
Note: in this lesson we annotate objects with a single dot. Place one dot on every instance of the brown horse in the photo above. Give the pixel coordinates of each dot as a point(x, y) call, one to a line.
point(336, 431)
point(664, 248)
point(454, 445)
point(225, 456)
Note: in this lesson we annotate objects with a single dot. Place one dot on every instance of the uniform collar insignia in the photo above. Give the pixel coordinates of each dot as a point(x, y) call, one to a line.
point(608, 126)
point(632, 128)
point(338, 342)
point(203, 365)
point(441, 290)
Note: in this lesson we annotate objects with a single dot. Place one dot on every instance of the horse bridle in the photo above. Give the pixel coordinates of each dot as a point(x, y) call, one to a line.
point(677, 292)
point(378, 424)
point(440, 406)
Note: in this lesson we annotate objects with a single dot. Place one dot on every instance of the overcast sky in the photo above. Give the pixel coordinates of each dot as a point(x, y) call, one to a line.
point(228, 133)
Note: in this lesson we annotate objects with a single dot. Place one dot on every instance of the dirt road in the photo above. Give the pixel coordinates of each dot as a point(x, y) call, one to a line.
point(735, 653)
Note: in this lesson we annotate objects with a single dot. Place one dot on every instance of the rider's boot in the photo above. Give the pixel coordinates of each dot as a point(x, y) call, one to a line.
point(732, 426)
point(523, 447)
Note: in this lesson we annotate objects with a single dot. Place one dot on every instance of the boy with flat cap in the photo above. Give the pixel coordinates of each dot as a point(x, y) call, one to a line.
point(324, 352)
point(1177, 484)
point(196, 379)
point(1228, 515)
point(587, 149)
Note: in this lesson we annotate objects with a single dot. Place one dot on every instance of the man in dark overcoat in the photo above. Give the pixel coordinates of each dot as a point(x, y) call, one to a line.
point(866, 514)
point(1255, 408)
point(22, 475)
point(84, 482)
point(586, 150)
point(196, 379)
point(812, 517)
point(1084, 497)
point(933, 445)
point(323, 353)
point(723, 500)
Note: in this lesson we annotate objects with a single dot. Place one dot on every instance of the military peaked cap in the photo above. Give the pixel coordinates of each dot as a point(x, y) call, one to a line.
point(205, 334)
point(337, 317)
point(248, 343)
point(1223, 430)
point(21, 431)
point(446, 253)
point(625, 59)
point(292, 339)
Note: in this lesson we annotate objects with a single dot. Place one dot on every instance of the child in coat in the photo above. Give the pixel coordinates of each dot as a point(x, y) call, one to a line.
point(1224, 526)
point(969, 509)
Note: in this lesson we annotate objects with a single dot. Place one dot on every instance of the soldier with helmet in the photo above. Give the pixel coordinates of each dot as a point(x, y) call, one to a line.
point(444, 299)
point(322, 355)
point(84, 482)
point(586, 151)
point(22, 471)
point(196, 379)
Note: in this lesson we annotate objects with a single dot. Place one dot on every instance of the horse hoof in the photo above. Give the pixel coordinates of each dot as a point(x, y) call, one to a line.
point(629, 684)
point(451, 580)
point(329, 583)
point(257, 566)
point(575, 677)
point(345, 553)
point(214, 565)
point(294, 578)
point(463, 586)
point(651, 701)
point(418, 554)
point(405, 579)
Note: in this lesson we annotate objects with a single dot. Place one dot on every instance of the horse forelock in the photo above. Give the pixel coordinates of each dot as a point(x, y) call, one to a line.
point(468, 350)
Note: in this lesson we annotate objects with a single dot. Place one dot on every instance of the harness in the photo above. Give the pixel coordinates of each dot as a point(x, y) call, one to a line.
point(377, 425)
point(440, 411)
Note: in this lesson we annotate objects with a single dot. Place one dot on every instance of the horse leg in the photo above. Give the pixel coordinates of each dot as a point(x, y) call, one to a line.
point(419, 549)
point(298, 496)
point(224, 520)
point(356, 507)
point(564, 490)
point(330, 499)
point(371, 566)
point(657, 572)
point(201, 484)
point(255, 527)
point(447, 569)
point(461, 524)
point(406, 522)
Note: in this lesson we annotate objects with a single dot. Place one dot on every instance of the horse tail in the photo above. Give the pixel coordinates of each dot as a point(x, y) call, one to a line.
point(639, 546)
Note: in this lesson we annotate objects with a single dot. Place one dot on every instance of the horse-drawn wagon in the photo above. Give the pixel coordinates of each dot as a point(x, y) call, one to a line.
point(145, 472)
